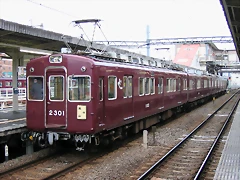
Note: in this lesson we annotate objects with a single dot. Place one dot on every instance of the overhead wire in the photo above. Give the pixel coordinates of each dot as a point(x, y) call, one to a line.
point(40, 4)
point(62, 12)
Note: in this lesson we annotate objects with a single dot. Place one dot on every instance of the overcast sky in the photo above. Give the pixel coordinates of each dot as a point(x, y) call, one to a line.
point(122, 19)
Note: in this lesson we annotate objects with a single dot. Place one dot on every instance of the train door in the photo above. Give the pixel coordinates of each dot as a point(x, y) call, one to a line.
point(160, 93)
point(181, 97)
point(55, 102)
point(128, 97)
point(101, 103)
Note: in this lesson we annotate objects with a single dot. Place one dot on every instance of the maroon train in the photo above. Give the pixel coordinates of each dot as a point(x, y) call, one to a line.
point(6, 85)
point(6, 82)
point(94, 99)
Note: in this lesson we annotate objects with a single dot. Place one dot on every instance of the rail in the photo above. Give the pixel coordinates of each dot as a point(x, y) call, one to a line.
point(153, 168)
point(6, 96)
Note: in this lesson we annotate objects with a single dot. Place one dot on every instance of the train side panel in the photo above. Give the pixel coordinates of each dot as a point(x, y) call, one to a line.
point(35, 111)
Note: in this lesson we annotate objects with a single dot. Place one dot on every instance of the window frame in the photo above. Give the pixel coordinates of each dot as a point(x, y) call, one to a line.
point(68, 88)
point(28, 91)
point(153, 85)
point(147, 86)
point(130, 77)
point(49, 92)
point(127, 77)
point(115, 86)
point(160, 88)
point(100, 89)
point(143, 86)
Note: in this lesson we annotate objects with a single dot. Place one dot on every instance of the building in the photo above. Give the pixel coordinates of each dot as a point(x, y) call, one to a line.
point(198, 55)
point(209, 57)
point(6, 67)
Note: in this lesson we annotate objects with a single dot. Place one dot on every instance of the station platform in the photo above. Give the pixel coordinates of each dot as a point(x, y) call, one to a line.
point(12, 122)
point(229, 164)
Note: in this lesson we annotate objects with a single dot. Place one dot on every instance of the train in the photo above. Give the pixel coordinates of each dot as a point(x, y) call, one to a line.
point(6, 82)
point(95, 99)
point(6, 88)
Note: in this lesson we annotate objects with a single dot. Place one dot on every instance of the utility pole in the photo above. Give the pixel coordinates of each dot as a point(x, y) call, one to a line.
point(148, 41)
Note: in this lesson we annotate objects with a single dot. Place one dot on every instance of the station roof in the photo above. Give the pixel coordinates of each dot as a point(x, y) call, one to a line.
point(231, 10)
point(14, 35)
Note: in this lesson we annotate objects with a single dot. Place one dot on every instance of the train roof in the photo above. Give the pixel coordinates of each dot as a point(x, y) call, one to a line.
point(107, 60)
point(135, 66)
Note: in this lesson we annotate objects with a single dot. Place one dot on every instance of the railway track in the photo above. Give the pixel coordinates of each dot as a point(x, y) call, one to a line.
point(189, 157)
point(50, 167)
point(59, 164)
point(18, 171)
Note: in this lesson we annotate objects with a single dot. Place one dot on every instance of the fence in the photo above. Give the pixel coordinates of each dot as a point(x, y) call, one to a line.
point(6, 96)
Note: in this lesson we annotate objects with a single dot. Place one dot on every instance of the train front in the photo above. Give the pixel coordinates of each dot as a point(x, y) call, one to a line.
point(58, 96)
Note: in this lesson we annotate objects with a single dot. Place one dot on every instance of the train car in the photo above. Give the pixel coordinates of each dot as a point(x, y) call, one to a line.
point(6, 86)
point(6, 82)
point(95, 99)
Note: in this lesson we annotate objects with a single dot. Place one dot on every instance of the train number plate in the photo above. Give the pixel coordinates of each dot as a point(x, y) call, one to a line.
point(56, 113)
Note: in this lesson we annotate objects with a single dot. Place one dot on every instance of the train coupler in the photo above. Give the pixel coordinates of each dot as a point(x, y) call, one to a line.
point(29, 135)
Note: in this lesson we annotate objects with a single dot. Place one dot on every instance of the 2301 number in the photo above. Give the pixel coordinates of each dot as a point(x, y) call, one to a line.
point(55, 113)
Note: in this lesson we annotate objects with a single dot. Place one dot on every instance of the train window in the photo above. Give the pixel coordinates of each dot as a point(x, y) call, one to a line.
point(168, 85)
point(147, 86)
point(174, 85)
point(79, 88)
point(0, 84)
point(56, 84)
point(129, 88)
point(124, 86)
point(171, 85)
point(35, 88)
point(8, 83)
point(198, 84)
point(141, 86)
point(100, 89)
point(184, 84)
point(205, 83)
point(112, 87)
point(19, 84)
point(179, 84)
point(160, 85)
point(152, 85)
point(191, 84)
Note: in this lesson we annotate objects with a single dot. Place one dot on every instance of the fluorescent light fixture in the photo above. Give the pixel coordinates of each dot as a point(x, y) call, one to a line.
point(35, 51)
